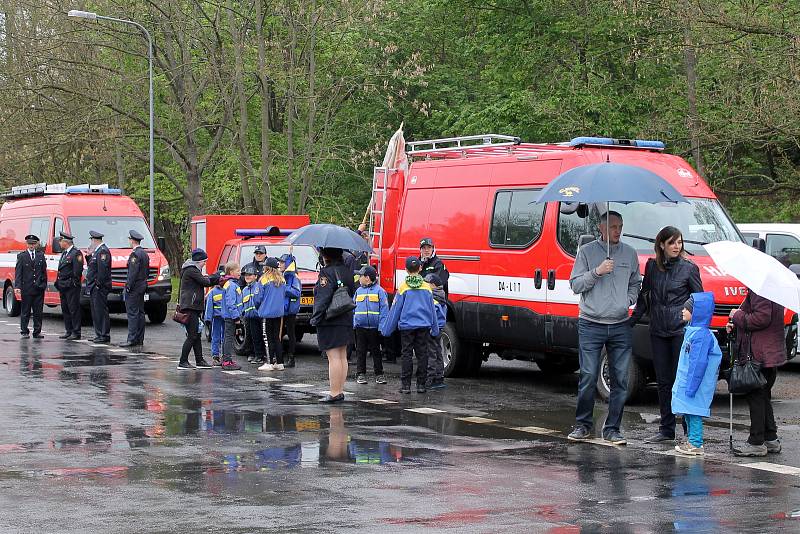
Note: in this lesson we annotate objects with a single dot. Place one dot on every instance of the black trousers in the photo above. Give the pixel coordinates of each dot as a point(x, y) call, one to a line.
point(272, 339)
point(666, 352)
point(289, 322)
point(255, 326)
point(762, 420)
point(368, 340)
point(134, 307)
point(413, 342)
point(32, 304)
point(229, 340)
point(193, 339)
point(99, 307)
point(71, 310)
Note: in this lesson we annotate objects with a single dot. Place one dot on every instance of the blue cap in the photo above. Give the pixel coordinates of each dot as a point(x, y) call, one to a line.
point(412, 263)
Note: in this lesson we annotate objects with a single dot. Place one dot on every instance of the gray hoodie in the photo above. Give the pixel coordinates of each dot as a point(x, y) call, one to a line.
point(606, 299)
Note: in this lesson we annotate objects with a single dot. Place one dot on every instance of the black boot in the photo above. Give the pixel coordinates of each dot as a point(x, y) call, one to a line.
point(289, 360)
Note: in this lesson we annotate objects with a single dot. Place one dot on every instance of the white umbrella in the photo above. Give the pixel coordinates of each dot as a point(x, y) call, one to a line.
point(758, 271)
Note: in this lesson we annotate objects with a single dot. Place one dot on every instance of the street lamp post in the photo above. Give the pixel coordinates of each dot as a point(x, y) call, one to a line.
point(94, 16)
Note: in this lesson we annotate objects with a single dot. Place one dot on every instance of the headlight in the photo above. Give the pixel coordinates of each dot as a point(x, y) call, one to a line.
point(163, 273)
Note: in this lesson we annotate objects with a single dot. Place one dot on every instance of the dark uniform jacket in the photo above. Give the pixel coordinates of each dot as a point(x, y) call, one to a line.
point(434, 265)
point(138, 268)
point(98, 273)
point(192, 288)
point(323, 293)
point(70, 270)
point(31, 274)
point(664, 293)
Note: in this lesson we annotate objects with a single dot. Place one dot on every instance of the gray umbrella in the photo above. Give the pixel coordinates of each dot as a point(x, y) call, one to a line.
point(329, 236)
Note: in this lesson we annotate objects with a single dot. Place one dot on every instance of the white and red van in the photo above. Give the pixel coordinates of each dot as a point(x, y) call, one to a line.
point(510, 258)
point(46, 210)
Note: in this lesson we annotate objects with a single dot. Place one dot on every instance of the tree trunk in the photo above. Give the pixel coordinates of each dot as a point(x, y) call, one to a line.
point(692, 119)
point(245, 163)
point(266, 110)
point(312, 109)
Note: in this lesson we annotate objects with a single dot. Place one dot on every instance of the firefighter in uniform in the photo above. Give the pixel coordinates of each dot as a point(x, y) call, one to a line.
point(98, 285)
point(68, 284)
point(135, 290)
point(30, 283)
point(259, 258)
point(431, 264)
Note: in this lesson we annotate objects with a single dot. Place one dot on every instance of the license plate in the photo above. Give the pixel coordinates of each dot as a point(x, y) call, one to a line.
point(307, 301)
point(146, 297)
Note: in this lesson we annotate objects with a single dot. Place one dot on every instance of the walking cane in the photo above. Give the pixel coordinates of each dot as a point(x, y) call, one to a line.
point(730, 395)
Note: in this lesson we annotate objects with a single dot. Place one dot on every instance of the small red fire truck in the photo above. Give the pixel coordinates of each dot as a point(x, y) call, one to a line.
point(510, 258)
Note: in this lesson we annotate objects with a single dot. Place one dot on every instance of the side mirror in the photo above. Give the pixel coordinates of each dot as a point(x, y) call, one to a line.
point(56, 245)
point(760, 244)
point(161, 243)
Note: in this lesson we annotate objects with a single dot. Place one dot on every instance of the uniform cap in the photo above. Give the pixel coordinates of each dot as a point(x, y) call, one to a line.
point(412, 263)
point(284, 257)
point(65, 235)
point(136, 236)
point(199, 254)
point(425, 241)
point(31, 239)
point(249, 269)
point(260, 249)
point(95, 235)
point(271, 263)
point(434, 279)
point(369, 271)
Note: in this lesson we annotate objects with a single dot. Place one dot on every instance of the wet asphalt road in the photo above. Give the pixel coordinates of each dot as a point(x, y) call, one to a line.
point(96, 438)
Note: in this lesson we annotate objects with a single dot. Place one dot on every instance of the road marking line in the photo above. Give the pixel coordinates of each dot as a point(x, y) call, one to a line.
point(328, 392)
point(117, 350)
point(379, 401)
point(775, 468)
point(298, 385)
point(535, 430)
point(81, 340)
point(97, 345)
point(236, 372)
point(427, 411)
point(158, 357)
point(477, 420)
point(265, 379)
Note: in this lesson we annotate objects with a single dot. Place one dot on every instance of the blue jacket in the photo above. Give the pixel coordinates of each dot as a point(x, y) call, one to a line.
point(294, 288)
point(214, 303)
point(272, 300)
point(372, 307)
point(251, 298)
point(440, 304)
point(232, 299)
point(698, 366)
point(411, 309)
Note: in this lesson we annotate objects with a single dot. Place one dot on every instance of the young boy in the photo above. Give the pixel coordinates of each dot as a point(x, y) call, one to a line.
point(251, 299)
point(698, 370)
point(213, 315)
point(372, 309)
point(435, 361)
point(231, 313)
point(291, 305)
point(413, 313)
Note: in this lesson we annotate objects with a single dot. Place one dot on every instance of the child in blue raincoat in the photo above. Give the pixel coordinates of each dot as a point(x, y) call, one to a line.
point(698, 371)
point(213, 315)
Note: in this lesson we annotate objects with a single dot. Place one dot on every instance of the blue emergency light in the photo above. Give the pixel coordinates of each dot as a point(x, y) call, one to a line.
point(610, 141)
point(94, 190)
point(269, 231)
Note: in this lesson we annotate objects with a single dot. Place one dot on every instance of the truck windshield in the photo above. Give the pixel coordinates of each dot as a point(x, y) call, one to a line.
point(701, 221)
point(115, 230)
point(306, 257)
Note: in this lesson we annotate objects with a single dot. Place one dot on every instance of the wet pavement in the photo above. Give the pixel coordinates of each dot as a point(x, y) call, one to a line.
point(99, 438)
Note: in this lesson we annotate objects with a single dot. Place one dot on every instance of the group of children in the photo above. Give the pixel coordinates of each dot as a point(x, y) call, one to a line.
point(419, 312)
point(264, 303)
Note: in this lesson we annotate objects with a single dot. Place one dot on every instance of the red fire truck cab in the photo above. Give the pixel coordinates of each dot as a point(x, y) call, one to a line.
point(510, 258)
point(234, 238)
point(46, 210)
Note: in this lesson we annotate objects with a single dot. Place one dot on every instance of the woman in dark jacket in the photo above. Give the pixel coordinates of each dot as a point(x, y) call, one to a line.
point(190, 300)
point(669, 280)
point(334, 334)
point(759, 329)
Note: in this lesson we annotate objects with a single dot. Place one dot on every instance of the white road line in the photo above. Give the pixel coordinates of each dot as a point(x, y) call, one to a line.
point(477, 420)
point(298, 385)
point(265, 379)
point(158, 357)
point(536, 430)
point(328, 392)
point(236, 372)
point(117, 350)
point(427, 411)
point(774, 468)
point(379, 401)
point(97, 345)
point(81, 340)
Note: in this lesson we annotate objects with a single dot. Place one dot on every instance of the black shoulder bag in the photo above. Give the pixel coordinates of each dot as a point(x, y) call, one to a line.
point(341, 302)
point(745, 374)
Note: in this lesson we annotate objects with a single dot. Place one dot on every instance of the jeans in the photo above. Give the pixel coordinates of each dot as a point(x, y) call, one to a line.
point(666, 352)
point(193, 340)
point(414, 342)
point(368, 340)
point(217, 333)
point(228, 341)
point(435, 361)
point(762, 420)
point(618, 340)
point(694, 425)
point(272, 339)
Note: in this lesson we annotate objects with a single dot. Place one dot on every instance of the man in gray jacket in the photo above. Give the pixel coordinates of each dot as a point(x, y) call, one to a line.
point(608, 286)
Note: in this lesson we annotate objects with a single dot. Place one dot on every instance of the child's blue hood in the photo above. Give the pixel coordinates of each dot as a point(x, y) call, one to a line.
point(703, 309)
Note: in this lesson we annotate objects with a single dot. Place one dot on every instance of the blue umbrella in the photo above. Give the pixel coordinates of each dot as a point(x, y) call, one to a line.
point(329, 236)
point(610, 182)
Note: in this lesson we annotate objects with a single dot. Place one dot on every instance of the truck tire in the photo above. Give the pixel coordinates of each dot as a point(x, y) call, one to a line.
point(558, 367)
point(636, 380)
point(241, 340)
point(11, 304)
point(157, 313)
point(458, 356)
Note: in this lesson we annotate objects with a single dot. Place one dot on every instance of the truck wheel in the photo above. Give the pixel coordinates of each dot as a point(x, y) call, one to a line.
point(242, 342)
point(636, 380)
point(11, 304)
point(157, 314)
point(458, 356)
point(557, 367)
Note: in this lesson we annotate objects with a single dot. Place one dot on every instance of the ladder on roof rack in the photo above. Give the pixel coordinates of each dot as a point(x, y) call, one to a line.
point(460, 143)
point(377, 205)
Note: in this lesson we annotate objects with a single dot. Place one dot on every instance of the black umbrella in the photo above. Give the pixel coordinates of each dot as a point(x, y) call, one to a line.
point(329, 236)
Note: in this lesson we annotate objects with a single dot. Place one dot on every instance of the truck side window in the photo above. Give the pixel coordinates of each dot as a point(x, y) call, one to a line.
point(571, 226)
point(517, 219)
point(785, 248)
point(40, 226)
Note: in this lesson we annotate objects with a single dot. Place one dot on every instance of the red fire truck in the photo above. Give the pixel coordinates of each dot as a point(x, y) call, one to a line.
point(45, 210)
point(510, 258)
point(235, 237)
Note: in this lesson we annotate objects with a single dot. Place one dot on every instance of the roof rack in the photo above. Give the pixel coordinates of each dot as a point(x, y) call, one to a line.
point(40, 189)
point(460, 143)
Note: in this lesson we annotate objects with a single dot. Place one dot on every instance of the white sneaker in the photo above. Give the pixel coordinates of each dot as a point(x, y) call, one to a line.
point(278, 367)
point(266, 367)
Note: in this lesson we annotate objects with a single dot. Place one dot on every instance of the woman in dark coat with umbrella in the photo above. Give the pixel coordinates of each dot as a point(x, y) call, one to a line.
point(333, 334)
point(669, 280)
